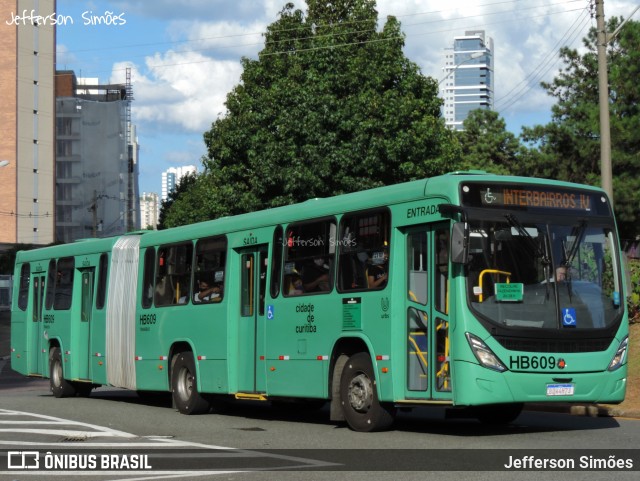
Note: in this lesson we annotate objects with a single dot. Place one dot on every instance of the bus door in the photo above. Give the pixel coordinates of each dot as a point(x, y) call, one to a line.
point(83, 327)
point(37, 360)
point(251, 331)
point(427, 313)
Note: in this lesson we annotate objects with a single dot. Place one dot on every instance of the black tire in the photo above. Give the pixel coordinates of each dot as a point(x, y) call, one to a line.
point(184, 386)
point(359, 397)
point(60, 387)
point(498, 414)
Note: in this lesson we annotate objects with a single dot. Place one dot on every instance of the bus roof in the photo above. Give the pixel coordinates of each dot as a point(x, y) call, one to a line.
point(439, 186)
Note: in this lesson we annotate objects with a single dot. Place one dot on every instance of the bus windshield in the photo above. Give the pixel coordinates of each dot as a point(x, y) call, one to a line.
point(543, 274)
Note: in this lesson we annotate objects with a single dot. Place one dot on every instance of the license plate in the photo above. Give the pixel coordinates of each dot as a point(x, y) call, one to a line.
point(560, 389)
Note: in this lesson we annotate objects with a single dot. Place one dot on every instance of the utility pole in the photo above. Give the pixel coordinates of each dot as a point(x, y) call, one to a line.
point(603, 92)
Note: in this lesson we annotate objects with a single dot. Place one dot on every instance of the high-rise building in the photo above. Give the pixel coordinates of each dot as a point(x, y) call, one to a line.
point(27, 115)
point(149, 210)
point(171, 178)
point(97, 160)
point(468, 77)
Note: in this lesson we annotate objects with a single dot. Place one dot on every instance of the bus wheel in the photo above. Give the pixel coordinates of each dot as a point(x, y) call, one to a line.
point(185, 387)
point(60, 387)
point(359, 397)
point(498, 414)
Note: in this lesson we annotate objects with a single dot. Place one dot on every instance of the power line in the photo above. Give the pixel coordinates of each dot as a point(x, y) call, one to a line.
point(363, 42)
point(439, 21)
point(251, 34)
point(547, 63)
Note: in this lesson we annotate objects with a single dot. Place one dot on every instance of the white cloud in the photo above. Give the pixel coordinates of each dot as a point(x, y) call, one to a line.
point(64, 57)
point(188, 59)
point(225, 39)
point(180, 90)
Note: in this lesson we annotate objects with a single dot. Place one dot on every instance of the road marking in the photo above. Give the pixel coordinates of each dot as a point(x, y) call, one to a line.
point(80, 431)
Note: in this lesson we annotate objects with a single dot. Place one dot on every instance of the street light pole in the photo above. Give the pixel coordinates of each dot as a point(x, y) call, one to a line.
point(603, 96)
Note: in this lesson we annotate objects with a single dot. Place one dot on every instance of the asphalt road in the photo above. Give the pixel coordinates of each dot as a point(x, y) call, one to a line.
point(288, 443)
point(256, 441)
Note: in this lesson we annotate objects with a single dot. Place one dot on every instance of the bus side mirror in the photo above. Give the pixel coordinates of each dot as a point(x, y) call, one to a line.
point(460, 243)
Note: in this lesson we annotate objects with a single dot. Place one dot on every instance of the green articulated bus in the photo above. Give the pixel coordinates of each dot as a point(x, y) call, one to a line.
point(469, 290)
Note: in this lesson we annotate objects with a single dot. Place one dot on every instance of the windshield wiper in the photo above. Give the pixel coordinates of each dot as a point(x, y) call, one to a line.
point(533, 245)
point(577, 233)
point(536, 247)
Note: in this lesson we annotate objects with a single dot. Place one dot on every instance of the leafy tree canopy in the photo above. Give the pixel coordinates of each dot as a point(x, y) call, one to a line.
point(569, 146)
point(330, 106)
point(488, 145)
point(170, 215)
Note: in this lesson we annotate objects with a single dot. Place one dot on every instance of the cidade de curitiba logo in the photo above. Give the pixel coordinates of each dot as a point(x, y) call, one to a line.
point(35, 460)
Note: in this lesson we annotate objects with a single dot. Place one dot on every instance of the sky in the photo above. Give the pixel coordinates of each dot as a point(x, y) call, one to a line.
point(184, 56)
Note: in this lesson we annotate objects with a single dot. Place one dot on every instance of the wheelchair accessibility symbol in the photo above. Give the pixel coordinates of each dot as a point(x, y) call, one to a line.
point(270, 311)
point(489, 198)
point(569, 317)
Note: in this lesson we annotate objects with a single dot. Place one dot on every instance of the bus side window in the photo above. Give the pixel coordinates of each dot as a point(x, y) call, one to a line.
point(364, 250)
point(276, 265)
point(173, 275)
point(23, 292)
point(64, 284)
point(209, 273)
point(51, 284)
point(147, 279)
point(102, 281)
point(310, 253)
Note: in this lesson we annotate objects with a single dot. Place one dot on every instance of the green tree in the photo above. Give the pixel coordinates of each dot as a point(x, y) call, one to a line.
point(569, 146)
point(330, 106)
point(486, 144)
point(170, 216)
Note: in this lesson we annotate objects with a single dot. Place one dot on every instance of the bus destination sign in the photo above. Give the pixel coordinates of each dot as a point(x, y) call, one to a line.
point(534, 197)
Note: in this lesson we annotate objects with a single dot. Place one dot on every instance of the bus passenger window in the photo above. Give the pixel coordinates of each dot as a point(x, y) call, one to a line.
point(309, 253)
point(276, 265)
point(147, 280)
point(23, 293)
point(64, 284)
point(102, 281)
point(173, 274)
point(210, 265)
point(364, 250)
point(51, 284)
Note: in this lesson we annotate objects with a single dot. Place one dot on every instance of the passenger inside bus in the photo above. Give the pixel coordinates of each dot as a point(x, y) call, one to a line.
point(208, 292)
point(315, 276)
point(377, 274)
point(294, 285)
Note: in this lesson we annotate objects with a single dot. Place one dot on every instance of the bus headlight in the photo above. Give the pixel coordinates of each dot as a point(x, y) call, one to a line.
point(620, 356)
point(484, 355)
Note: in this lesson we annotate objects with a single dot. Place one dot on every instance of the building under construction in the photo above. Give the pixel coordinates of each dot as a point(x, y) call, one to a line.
point(96, 159)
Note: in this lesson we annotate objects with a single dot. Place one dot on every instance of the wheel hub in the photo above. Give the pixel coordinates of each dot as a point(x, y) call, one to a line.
point(185, 385)
point(57, 373)
point(361, 393)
